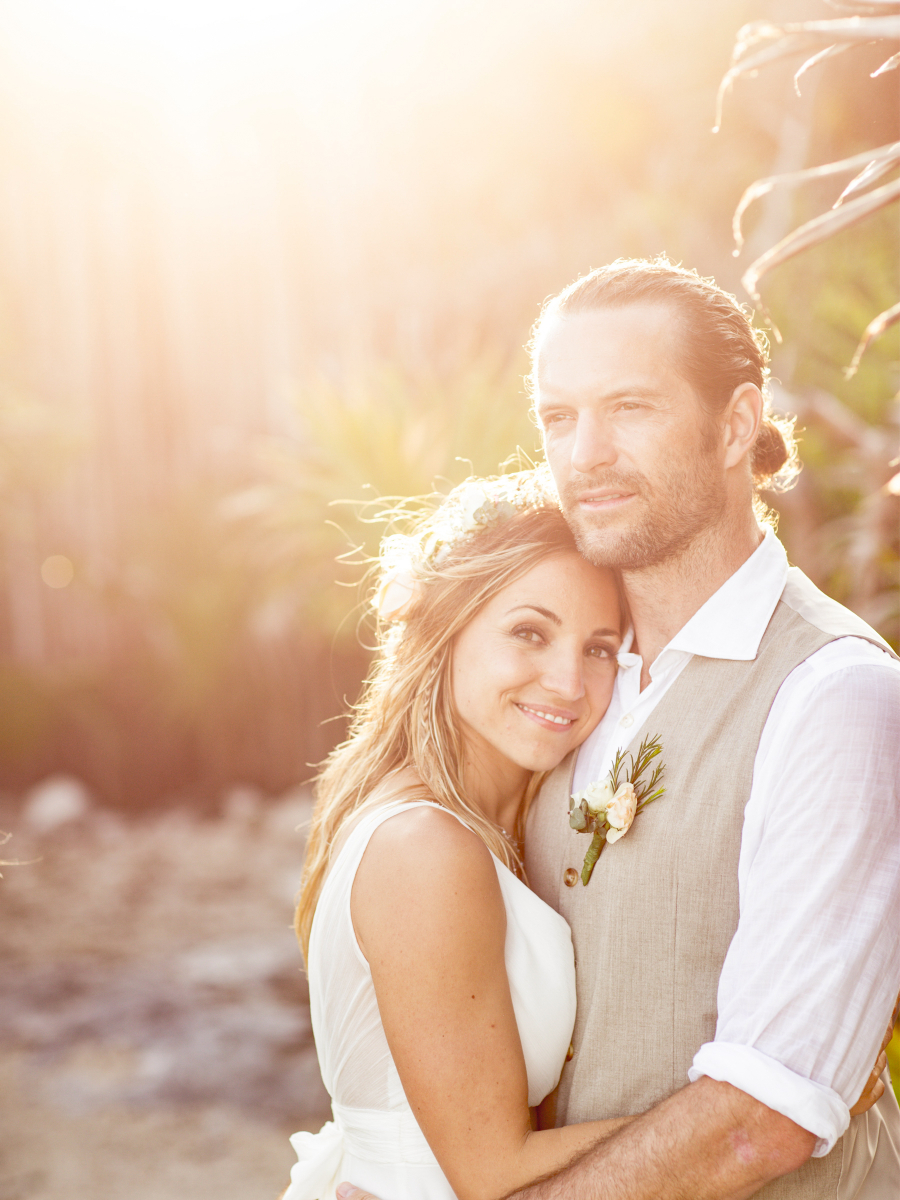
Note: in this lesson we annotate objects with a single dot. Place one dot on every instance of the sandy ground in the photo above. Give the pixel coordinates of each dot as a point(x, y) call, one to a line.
point(154, 1025)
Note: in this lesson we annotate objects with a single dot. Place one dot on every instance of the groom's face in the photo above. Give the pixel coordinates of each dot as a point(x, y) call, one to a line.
point(636, 459)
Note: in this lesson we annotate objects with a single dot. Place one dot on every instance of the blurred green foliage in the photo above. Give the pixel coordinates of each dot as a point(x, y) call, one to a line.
point(214, 363)
point(383, 434)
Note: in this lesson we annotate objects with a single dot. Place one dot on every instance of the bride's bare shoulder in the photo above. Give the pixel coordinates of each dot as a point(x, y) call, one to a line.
point(426, 829)
point(425, 848)
point(424, 881)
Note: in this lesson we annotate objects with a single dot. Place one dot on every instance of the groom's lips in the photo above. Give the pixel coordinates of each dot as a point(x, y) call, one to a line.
point(605, 498)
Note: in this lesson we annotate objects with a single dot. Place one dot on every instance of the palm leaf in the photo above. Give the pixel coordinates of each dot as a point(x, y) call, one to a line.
point(746, 60)
point(883, 160)
point(816, 231)
point(829, 52)
point(873, 330)
point(890, 65)
point(791, 178)
point(798, 37)
point(857, 28)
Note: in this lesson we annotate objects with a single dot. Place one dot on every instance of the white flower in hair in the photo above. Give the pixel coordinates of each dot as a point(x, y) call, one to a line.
point(395, 595)
point(398, 587)
point(471, 507)
point(480, 503)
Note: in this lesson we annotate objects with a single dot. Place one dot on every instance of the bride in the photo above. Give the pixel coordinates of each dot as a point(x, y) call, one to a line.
point(442, 990)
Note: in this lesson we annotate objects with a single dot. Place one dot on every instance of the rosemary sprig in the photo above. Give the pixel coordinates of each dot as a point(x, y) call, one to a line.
point(626, 768)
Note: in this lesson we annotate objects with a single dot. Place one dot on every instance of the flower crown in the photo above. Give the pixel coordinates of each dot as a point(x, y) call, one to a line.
point(472, 507)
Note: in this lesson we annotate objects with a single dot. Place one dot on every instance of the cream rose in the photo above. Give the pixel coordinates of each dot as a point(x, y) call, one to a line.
point(597, 795)
point(620, 812)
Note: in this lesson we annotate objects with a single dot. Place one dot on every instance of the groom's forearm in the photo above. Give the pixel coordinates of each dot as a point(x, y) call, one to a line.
point(709, 1141)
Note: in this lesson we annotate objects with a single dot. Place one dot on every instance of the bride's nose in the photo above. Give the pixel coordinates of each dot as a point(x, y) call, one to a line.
point(563, 673)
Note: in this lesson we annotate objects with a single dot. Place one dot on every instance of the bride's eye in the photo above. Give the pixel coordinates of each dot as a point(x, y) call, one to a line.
point(528, 633)
point(599, 650)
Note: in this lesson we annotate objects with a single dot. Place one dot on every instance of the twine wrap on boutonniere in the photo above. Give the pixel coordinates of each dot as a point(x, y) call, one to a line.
point(607, 809)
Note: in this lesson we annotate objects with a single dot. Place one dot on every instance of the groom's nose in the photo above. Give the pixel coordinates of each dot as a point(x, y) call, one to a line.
point(593, 445)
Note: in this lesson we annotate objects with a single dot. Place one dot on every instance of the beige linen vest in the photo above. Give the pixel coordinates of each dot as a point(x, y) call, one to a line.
point(652, 927)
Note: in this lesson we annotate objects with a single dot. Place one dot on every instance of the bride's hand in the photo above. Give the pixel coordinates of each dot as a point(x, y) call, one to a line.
point(874, 1088)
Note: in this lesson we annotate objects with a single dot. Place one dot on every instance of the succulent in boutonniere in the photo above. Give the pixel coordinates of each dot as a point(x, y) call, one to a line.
point(607, 809)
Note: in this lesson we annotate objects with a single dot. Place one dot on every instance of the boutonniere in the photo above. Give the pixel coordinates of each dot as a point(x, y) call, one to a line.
point(607, 809)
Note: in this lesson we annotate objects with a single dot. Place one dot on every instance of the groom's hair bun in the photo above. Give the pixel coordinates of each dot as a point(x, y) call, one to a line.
point(720, 348)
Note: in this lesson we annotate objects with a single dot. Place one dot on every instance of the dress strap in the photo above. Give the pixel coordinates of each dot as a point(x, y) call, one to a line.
point(354, 847)
point(339, 880)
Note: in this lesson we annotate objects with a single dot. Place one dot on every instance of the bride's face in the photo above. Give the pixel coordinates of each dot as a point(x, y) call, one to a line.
point(533, 672)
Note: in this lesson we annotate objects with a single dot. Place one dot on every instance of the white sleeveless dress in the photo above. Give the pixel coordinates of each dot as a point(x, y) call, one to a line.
point(374, 1140)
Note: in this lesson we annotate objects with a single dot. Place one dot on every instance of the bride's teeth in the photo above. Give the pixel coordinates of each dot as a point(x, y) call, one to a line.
point(548, 716)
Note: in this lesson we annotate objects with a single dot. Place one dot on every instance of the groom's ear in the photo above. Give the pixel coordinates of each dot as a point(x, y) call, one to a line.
point(742, 418)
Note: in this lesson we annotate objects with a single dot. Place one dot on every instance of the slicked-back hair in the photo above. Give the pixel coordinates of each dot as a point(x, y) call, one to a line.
point(719, 349)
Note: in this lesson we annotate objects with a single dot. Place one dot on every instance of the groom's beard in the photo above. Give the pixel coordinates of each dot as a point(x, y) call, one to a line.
point(658, 524)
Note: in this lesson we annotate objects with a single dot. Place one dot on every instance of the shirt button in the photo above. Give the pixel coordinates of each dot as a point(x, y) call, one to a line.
point(627, 720)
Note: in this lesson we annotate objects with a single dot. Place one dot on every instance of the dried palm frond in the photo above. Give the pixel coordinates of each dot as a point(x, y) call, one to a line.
point(883, 161)
point(757, 45)
point(760, 43)
point(873, 330)
point(817, 230)
point(885, 157)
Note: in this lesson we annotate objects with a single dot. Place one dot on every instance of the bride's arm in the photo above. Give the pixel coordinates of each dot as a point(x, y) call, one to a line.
point(430, 919)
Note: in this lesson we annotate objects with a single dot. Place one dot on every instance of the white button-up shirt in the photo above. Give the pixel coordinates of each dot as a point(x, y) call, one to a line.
point(810, 978)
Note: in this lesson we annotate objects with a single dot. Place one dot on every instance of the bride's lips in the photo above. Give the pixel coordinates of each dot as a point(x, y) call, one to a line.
point(558, 719)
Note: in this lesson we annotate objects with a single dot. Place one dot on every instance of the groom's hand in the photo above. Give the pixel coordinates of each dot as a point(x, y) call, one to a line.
point(348, 1191)
point(874, 1088)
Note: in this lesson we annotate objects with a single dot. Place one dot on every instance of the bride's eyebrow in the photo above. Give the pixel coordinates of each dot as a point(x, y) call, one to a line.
point(551, 616)
point(545, 612)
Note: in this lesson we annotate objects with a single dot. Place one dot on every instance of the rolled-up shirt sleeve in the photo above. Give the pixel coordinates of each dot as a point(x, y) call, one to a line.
point(811, 976)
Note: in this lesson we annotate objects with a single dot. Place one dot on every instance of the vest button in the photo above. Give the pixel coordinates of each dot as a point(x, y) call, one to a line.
point(570, 877)
point(570, 1053)
point(627, 720)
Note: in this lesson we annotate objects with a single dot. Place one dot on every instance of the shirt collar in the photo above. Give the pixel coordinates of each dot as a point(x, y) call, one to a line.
point(733, 620)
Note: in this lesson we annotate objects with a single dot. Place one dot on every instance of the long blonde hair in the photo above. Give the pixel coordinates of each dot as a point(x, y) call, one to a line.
point(405, 717)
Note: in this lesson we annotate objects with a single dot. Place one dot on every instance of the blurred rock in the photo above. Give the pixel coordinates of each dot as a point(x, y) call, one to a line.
point(150, 967)
point(240, 962)
point(214, 1026)
point(57, 801)
point(242, 804)
point(290, 815)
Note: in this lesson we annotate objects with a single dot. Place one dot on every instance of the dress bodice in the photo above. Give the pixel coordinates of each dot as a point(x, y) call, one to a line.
point(355, 1059)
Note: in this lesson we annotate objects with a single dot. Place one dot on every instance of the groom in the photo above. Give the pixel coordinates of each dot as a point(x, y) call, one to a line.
point(738, 950)
point(744, 933)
